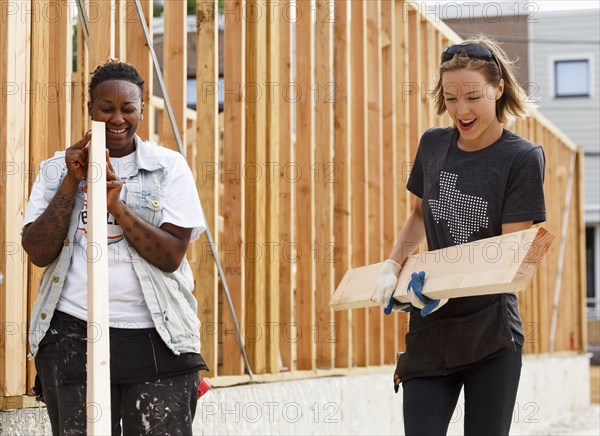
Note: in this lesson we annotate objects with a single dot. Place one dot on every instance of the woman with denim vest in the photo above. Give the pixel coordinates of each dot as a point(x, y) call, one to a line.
point(153, 214)
point(472, 181)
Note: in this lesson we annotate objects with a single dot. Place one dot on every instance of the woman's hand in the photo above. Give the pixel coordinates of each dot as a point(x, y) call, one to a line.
point(113, 186)
point(388, 279)
point(76, 158)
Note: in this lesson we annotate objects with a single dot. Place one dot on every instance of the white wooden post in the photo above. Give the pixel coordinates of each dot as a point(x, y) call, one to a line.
point(98, 346)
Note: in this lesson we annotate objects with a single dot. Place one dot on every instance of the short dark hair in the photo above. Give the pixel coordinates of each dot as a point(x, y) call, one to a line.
point(114, 69)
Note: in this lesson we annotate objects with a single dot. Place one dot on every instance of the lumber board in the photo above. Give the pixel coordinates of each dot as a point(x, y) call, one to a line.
point(358, 152)
point(101, 25)
point(272, 291)
point(325, 177)
point(234, 159)
point(138, 55)
point(286, 228)
point(374, 245)
point(342, 161)
point(502, 264)
point(390, 160)
point(206, 163)
point(255, 190)
point(98, 345)
point(14, 142)
point(305, 187)
point(175, 72)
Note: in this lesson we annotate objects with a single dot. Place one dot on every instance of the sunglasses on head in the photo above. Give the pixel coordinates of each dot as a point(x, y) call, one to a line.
point(472, 50)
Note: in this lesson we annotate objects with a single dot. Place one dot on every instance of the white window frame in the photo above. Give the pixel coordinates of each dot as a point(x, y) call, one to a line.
point(566, 58)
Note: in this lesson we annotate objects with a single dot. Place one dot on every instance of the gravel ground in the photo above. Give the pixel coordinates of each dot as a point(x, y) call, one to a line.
point(577, 423)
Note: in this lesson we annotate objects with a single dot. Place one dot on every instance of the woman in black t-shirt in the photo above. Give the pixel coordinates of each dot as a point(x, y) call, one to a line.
point(472, 181)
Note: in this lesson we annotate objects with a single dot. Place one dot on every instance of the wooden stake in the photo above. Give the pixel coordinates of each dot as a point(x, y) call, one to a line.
point(98, 349)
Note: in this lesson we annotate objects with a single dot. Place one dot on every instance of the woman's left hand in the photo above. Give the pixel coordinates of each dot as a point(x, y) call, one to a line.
point(113, 185)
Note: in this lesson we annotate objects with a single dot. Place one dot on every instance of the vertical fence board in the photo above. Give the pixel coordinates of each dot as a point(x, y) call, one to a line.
point(207, 176)
point(343, 160)
point(414, 81)
point(286, 177)
point(305, 206)
point(101, 26)
point(255, 184)
point(13, 191)
point(390, 160)
point(272, 290)
point(324, 175)
point(175, 71)
point(139, 56)
point(233, 189)
point(360, 345)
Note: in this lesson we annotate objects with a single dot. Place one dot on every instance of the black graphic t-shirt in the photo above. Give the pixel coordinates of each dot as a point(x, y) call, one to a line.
point(467, 196)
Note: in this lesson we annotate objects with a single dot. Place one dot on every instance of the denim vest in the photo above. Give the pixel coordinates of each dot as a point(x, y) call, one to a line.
point(168, 295)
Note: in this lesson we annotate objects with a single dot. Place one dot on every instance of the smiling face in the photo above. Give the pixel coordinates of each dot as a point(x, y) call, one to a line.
point(471, 103)
point(119, 104)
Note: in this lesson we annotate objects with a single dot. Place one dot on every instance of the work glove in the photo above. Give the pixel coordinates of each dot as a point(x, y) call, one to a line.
point(388, 279)
point(420, 301)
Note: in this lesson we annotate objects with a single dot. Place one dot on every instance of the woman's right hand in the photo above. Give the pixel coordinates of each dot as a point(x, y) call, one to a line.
point(76, 158)
point(388, 280)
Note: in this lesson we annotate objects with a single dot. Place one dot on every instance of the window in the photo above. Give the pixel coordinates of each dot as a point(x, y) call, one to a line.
point(572, 78)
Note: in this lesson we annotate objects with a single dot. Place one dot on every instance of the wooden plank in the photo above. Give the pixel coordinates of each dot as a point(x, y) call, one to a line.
point(358, 25)
point(101, 26)
point(233, 189)
point(207, 164)
point(305, 187)
point(580, 269)
point(121, 18)
point(324, 180)
point(79, 110)
point(374, 245)
point(98, 396)
point(272, 134)
point(403, 127)
point(14, 51)
point(175, 71)
point(255, 188)
point(414, 77)
point(389, 168)
point(342, 159)
point(504, 263)
point(139, 56)
point(402, 124)
point(39, 145)
point(286, 178)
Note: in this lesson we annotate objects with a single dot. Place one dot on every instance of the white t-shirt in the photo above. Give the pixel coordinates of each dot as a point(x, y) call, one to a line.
point(127, 307)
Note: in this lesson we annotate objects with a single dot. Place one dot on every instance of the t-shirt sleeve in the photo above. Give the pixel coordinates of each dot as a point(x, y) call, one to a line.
point(524, 198)
point(181, 206)
point(415, 180)
point(37, 203)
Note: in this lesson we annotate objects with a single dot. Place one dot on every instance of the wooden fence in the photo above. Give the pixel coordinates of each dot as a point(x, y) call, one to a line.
point(302, 177)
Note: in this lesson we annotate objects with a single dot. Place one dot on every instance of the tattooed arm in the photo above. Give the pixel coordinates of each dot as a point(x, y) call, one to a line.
point(164, 246)
point(43, 239)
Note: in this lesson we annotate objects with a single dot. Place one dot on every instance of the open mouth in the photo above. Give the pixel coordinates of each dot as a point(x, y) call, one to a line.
point(466, 123)
point(116, 131)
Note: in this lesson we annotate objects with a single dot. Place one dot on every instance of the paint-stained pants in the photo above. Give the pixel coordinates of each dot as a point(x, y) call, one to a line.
point(164, 406)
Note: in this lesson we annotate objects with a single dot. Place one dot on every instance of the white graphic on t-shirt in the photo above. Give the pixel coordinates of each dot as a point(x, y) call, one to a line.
point(465, 214)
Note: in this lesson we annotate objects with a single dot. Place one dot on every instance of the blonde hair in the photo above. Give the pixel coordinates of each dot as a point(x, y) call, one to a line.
point(513, 102)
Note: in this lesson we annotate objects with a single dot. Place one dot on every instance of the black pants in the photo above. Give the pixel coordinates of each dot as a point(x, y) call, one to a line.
point(153, 391)
point(490, 394)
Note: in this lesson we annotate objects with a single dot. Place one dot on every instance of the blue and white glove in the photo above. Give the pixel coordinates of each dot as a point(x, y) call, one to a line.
point(388, 280)
point(420, 301)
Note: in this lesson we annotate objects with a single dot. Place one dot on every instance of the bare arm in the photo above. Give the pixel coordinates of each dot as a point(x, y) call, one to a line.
point(43, 239)
point(163, 247)
point(515, 227)
point(411, 235)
